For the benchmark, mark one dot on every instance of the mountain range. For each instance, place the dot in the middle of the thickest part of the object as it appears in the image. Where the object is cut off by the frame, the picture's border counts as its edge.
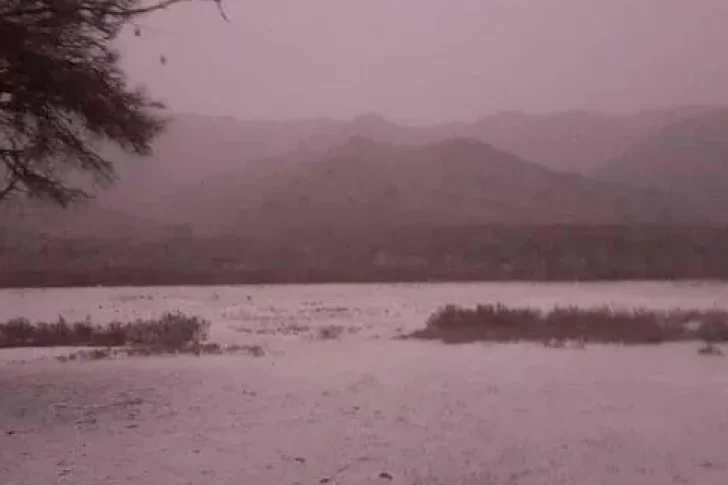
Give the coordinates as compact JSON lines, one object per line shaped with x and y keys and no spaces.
{"x":215,"y":175}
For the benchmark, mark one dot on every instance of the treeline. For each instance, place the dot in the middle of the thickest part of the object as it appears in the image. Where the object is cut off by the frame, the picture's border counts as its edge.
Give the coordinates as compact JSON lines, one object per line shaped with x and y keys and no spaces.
{"x":316,"y":255}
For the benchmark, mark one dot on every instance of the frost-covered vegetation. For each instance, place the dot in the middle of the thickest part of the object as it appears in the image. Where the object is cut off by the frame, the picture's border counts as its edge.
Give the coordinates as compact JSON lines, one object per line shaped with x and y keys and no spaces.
{"x":172,"y":331}
{"x":498,"y":322}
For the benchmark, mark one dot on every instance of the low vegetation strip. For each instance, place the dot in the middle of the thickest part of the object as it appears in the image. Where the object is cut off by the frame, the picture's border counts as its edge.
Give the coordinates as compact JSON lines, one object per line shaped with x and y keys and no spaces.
{"x":371,"y":255}
{"x":501,"y":323}
{"x":173,"y":331}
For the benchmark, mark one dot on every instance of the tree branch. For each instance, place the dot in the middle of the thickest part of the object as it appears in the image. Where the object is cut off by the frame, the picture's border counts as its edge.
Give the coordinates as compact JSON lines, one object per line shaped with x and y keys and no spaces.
{"x":98,"y":7}
{"x":62,"y":90}
{"x":10,"y":187}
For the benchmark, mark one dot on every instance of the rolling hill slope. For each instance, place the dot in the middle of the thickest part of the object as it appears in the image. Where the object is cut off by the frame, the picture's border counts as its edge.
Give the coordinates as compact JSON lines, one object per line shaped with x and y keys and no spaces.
{"x":688,"y":159}
{"x":366,"y":185}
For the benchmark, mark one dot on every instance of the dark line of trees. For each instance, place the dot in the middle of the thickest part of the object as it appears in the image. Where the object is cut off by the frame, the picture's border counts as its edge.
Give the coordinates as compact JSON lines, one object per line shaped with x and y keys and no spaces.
{"x":500,"y":253}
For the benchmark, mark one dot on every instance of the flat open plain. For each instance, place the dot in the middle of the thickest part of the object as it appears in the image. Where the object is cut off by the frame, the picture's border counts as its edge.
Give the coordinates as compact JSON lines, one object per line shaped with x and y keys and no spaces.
{"x":363,"y":407}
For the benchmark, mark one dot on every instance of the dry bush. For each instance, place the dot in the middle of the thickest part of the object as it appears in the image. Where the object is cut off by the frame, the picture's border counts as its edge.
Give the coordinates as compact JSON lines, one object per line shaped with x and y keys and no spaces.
{"x":173,"y":331}
{"x":120,"y":352}
{"x":710,"y":349}
{"x":498,"y":322}
{"x":254,"y":350}
{"x":330,"y":332}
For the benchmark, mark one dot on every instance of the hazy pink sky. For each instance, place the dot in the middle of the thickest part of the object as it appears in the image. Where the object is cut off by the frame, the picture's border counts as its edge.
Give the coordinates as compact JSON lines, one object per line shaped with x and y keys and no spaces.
{"x":432,"y":60}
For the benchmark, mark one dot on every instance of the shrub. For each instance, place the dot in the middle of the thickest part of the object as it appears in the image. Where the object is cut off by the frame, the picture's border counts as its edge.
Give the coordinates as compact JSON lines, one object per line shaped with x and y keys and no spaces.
{"x":330,"y":332}
{"x":17,"y":332}
{"x":638,"y":326}
{"x":713,"y":328}
{"x":710,"y":349}
{"x":254,"y":350}
{"x":115,"y":334}
{"x":95,"y":354}
{"x":173,"y":331}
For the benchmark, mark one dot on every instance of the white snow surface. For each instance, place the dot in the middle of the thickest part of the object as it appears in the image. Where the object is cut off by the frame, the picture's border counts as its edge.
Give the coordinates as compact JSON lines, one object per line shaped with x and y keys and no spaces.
{"x":365,"y":407}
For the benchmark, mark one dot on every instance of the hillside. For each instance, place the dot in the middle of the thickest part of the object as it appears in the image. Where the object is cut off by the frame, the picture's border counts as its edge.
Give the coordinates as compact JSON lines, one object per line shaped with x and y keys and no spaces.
{"x":575,"y":141}
{"x":362,"y":210}
{"x":222,"y":174}
{"x":83,"y":220}
{"x":363,"y":184}
{"x":688,"y":158}
{"x":196,"y":149}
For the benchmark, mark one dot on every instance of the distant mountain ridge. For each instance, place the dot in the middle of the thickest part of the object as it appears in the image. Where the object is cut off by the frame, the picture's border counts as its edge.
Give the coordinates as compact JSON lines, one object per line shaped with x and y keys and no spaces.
{"x":687,"y":158}
{"x":575,"y":141}
{"x":212,"y":174}
{"x":366,"y":184}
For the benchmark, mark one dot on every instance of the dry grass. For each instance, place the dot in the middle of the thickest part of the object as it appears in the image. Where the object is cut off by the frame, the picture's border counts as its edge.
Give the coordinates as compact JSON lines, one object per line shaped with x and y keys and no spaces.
{"x":136,"y":351}
{"x":498,"y":322}
{"x":173,"y":331}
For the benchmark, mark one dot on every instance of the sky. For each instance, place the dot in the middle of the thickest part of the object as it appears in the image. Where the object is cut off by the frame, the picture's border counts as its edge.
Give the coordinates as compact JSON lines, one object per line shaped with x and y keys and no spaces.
{"x":431,"y":61}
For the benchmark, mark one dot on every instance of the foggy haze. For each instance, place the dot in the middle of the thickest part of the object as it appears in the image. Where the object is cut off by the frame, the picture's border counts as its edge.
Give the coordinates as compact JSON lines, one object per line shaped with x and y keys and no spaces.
{"x":427,"y":61}
{"x":390,"y":242}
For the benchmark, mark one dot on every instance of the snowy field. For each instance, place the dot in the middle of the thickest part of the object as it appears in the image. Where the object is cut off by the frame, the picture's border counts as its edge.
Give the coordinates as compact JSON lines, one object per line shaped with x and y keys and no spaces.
{"x":364,"y":407}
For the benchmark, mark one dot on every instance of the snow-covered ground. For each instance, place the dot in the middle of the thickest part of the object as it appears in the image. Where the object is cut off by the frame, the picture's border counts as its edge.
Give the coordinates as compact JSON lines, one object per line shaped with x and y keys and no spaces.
{"x":363,"y":408}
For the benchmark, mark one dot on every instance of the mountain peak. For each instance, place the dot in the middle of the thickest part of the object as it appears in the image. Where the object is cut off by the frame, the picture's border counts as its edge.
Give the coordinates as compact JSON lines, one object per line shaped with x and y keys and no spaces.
{"x":369,"y":119}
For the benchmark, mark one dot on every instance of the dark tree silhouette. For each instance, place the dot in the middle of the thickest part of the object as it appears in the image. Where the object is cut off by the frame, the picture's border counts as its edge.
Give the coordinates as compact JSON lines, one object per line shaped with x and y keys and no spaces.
{"x":63,"y":94}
